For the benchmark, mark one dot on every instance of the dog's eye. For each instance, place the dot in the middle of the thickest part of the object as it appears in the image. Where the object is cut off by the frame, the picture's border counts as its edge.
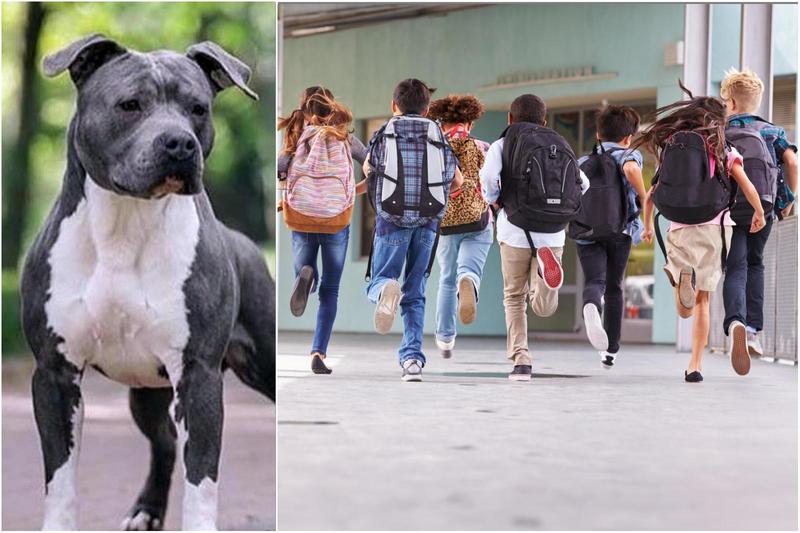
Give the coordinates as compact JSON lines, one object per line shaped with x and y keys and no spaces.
{"x":130,"y":105}
{"x":199,"y":110}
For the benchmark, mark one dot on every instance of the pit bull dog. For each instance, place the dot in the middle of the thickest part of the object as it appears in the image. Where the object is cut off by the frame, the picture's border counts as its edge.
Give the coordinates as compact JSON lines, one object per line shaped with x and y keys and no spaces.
{"x":133,"y":275}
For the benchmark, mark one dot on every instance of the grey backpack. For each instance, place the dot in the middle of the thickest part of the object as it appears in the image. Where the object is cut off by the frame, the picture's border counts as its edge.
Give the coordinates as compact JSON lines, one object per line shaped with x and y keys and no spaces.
{"x":759,"y":167}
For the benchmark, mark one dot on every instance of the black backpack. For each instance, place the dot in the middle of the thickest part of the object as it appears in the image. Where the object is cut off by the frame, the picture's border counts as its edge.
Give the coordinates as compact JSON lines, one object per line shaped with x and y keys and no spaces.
{"x":684,"y":190}
{"x":540,"y":181}
{"x":604,"y":208}
{"x":759,"y":167}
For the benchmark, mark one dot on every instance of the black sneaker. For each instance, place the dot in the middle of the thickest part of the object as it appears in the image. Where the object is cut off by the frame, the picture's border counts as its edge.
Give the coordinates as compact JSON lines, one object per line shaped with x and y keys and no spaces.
{"x":302,"y":288}
{"x":607,"y":359}
{"x":318,"y":365}
{"x":520,"y":373}
{"x":692,"y":377}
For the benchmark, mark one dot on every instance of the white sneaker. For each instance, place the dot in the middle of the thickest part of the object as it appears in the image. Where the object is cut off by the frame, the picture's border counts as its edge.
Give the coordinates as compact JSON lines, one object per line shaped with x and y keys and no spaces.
{"x":754,"y":345}
{"x":386,"y":309}
{"x":740,"y":356}
{"x":446,"y":348}
{"x":412,"y":370}
{"x":594,"y":328}
{"x":607,"y":359}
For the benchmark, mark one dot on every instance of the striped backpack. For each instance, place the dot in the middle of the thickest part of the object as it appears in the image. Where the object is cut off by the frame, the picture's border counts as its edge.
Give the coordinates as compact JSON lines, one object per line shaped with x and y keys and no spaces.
{"x":320,"y":185}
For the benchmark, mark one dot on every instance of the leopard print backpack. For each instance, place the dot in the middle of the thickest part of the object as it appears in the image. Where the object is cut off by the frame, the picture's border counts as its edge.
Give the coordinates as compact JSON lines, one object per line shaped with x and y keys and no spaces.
{"x":466,"y":211}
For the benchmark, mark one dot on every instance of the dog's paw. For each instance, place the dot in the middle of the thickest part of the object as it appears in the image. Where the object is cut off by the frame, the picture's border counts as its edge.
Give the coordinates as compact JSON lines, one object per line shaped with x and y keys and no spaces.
{"x":142,"y":520}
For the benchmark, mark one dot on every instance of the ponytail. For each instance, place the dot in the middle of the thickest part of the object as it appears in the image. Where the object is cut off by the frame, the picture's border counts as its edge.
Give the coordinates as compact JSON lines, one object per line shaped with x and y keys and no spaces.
{"x":317,"y":108}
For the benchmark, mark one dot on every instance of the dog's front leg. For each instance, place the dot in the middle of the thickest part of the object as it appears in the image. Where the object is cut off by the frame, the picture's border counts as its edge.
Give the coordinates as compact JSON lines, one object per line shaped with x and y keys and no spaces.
{"x":58,"y":408}
{"x":197,"y":414}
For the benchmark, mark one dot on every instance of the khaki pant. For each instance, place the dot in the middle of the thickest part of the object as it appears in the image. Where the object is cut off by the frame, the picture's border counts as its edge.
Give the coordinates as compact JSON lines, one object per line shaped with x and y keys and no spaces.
{"x":521,"y":280}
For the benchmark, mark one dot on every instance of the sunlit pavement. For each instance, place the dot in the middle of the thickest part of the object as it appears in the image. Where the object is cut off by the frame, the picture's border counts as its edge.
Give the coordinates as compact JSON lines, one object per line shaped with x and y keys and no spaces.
{"x":579,"y":447}
{"x":115,"y":456}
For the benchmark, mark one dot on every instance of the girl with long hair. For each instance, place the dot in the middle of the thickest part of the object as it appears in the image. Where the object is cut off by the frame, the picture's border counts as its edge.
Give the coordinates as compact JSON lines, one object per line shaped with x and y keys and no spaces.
{"x":693,"y":251}
{"x":315,"y":170}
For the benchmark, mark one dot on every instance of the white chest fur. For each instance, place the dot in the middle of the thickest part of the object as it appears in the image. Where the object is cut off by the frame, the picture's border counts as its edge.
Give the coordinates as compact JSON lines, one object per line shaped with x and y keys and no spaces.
{"x":116,"y":285}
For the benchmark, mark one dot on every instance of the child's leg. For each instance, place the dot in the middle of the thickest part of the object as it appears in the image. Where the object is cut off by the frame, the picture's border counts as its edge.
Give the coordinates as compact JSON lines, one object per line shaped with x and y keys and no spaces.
{"x":734,"y":286}
{"x":755,"y":276}
{"x":388,"y":257}
{"x":700,"y":328}
{"x":516,"y":264}
{"x":304,"y":253}
{"x":413,"y":303}
{"x":334,"y":253}
{"x":544,"y":300}
{"x":594,"y":262}
{"x":618,"y":253}
{"x":446,"y":299}
{"x":471,"y":259}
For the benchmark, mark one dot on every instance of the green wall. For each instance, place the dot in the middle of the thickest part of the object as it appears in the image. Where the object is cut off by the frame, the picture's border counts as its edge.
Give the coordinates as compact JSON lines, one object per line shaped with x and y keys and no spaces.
{"x":463,"y":52}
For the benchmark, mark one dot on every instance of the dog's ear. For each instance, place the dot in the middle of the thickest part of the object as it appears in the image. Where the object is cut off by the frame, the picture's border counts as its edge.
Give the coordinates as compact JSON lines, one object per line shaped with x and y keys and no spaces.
{"x":82,"y":57}
{"x":222,"y":69}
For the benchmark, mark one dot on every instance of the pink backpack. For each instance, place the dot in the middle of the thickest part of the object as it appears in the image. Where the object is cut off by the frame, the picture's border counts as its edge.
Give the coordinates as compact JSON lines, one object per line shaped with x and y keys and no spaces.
{"x":320,"y":185}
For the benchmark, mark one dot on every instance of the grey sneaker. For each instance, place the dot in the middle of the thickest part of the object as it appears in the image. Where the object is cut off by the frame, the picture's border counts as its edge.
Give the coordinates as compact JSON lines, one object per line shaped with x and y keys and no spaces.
{"x":412,"y":370}
{"x":386,"y":309}
{"x":446,"y":348}
{"x":754,"y":345}
{"x":520,"y":373}
{"x":594,"y":328}
{"x":740,"y":357}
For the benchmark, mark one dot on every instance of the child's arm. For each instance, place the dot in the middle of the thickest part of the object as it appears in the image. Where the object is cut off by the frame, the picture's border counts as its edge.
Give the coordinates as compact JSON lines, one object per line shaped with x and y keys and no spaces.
{"x":361,"y":187}
{"x":633,"y":173}
{"x":458,"y":180}
{"x":490,"y":173}
{"x":790,"y":173}
{"x":647,"y":235}
{"x":750,"y":192}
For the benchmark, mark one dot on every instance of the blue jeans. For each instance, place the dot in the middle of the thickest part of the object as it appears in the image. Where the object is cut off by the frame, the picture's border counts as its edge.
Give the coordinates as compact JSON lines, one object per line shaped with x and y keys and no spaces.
{"x":305,"y":247}
{"x":461,"y":255}
{"x":409,"y":247}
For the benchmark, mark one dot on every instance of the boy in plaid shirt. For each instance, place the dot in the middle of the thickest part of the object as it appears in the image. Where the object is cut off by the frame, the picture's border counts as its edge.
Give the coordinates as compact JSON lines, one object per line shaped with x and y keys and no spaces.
{"x":406,"y":249}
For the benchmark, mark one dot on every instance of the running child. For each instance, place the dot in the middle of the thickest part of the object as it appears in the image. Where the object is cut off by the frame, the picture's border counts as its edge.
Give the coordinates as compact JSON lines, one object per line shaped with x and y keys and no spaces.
{"x":608,"y":225}
{"x":771,"y":163}
{"x":533,"y":178}
{"x":410,"y":169}
{"x":466,"y":229}
{"x":315,"y":170}
{"x":694,"y":187}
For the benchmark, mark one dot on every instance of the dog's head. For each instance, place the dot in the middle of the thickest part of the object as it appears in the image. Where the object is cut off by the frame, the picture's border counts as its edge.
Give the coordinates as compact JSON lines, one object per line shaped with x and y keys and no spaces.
{"x":143,"y":124}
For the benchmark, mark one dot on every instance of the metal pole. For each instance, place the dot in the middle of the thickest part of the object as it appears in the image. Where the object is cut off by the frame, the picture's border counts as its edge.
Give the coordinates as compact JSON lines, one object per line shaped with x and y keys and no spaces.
{"x":697,"y":48}
{"x":756,"y":49}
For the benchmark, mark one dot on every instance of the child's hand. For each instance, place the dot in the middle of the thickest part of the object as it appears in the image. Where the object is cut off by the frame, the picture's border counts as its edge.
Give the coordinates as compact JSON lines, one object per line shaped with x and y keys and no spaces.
{"x":647,"y":235}
{"x":787,"y":210}
{"x":758,"y":222}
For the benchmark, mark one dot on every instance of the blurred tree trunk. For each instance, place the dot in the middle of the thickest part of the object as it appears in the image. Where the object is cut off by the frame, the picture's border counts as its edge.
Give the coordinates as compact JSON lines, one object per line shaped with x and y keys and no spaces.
{"x":17,"y":176}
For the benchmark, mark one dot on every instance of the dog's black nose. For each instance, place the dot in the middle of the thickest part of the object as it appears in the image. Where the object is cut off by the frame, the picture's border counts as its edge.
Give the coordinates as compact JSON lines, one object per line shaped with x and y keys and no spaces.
{"x":177,"y":146}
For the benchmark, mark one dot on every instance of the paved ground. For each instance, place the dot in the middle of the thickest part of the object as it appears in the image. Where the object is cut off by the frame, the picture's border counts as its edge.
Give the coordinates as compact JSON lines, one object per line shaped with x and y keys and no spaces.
{"x":114,"y":457}
{"x":579,"y":447}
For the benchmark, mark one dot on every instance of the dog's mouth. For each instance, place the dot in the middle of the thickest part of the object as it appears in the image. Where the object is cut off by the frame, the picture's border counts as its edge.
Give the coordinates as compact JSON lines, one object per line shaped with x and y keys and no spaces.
{"x":172,"y":184}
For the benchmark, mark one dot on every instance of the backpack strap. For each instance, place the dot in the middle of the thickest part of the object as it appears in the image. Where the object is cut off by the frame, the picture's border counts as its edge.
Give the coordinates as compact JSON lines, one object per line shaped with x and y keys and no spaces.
{"x":433,"y":254}
{"x":530,"y":239}
{"x":659,"y":237}
{"x":435,"y":161}
{"x":368,"y":274}
{"x":724,"y":241}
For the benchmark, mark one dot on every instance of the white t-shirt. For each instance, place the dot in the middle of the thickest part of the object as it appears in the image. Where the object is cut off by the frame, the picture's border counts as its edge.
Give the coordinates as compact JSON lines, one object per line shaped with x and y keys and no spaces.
{"x":508,"y":233}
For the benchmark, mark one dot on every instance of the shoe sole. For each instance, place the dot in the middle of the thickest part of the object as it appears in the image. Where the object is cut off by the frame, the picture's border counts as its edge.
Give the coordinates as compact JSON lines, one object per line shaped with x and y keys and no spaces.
{"x":552,"y":273}
{"x":322,"y":369}
{"x":300,"y":291}
{"x":467,"y":303}
{"x":594,"y":328}
{"x":606,"y":365}
{"x":740,"y":355}
{"x":519,"y":377}
{"x":686,"y":293}
{"x":386,"y":309}
{"x":411,"y":378}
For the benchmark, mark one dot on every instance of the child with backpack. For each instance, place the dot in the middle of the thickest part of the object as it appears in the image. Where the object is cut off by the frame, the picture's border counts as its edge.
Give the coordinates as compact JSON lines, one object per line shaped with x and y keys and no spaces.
{"x":771,"y":164}
{"x":608,"y":225}
{"x":410,"y":169}
{"x":466,"y":228}
{"x":532,"y":176}
{"x":316,"y":175}
{"x":694,"y":187}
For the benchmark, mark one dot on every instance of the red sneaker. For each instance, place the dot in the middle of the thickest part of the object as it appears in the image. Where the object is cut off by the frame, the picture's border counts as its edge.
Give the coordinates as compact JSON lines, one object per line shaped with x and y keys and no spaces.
{"x":550,"y":268}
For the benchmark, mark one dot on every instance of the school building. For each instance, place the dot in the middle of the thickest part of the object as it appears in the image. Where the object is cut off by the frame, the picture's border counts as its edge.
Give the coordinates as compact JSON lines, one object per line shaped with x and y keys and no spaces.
{"x":576,"y":57}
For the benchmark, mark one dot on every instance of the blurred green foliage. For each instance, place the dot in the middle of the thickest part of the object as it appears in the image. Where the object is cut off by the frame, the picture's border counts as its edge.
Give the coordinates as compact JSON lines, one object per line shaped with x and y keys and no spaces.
{"x":240,"y":169}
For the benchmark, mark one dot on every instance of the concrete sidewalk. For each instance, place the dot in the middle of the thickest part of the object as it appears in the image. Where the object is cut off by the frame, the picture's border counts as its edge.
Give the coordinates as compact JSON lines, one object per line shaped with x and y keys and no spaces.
{"x":579,"y":447}
{"x":115,"y":456}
